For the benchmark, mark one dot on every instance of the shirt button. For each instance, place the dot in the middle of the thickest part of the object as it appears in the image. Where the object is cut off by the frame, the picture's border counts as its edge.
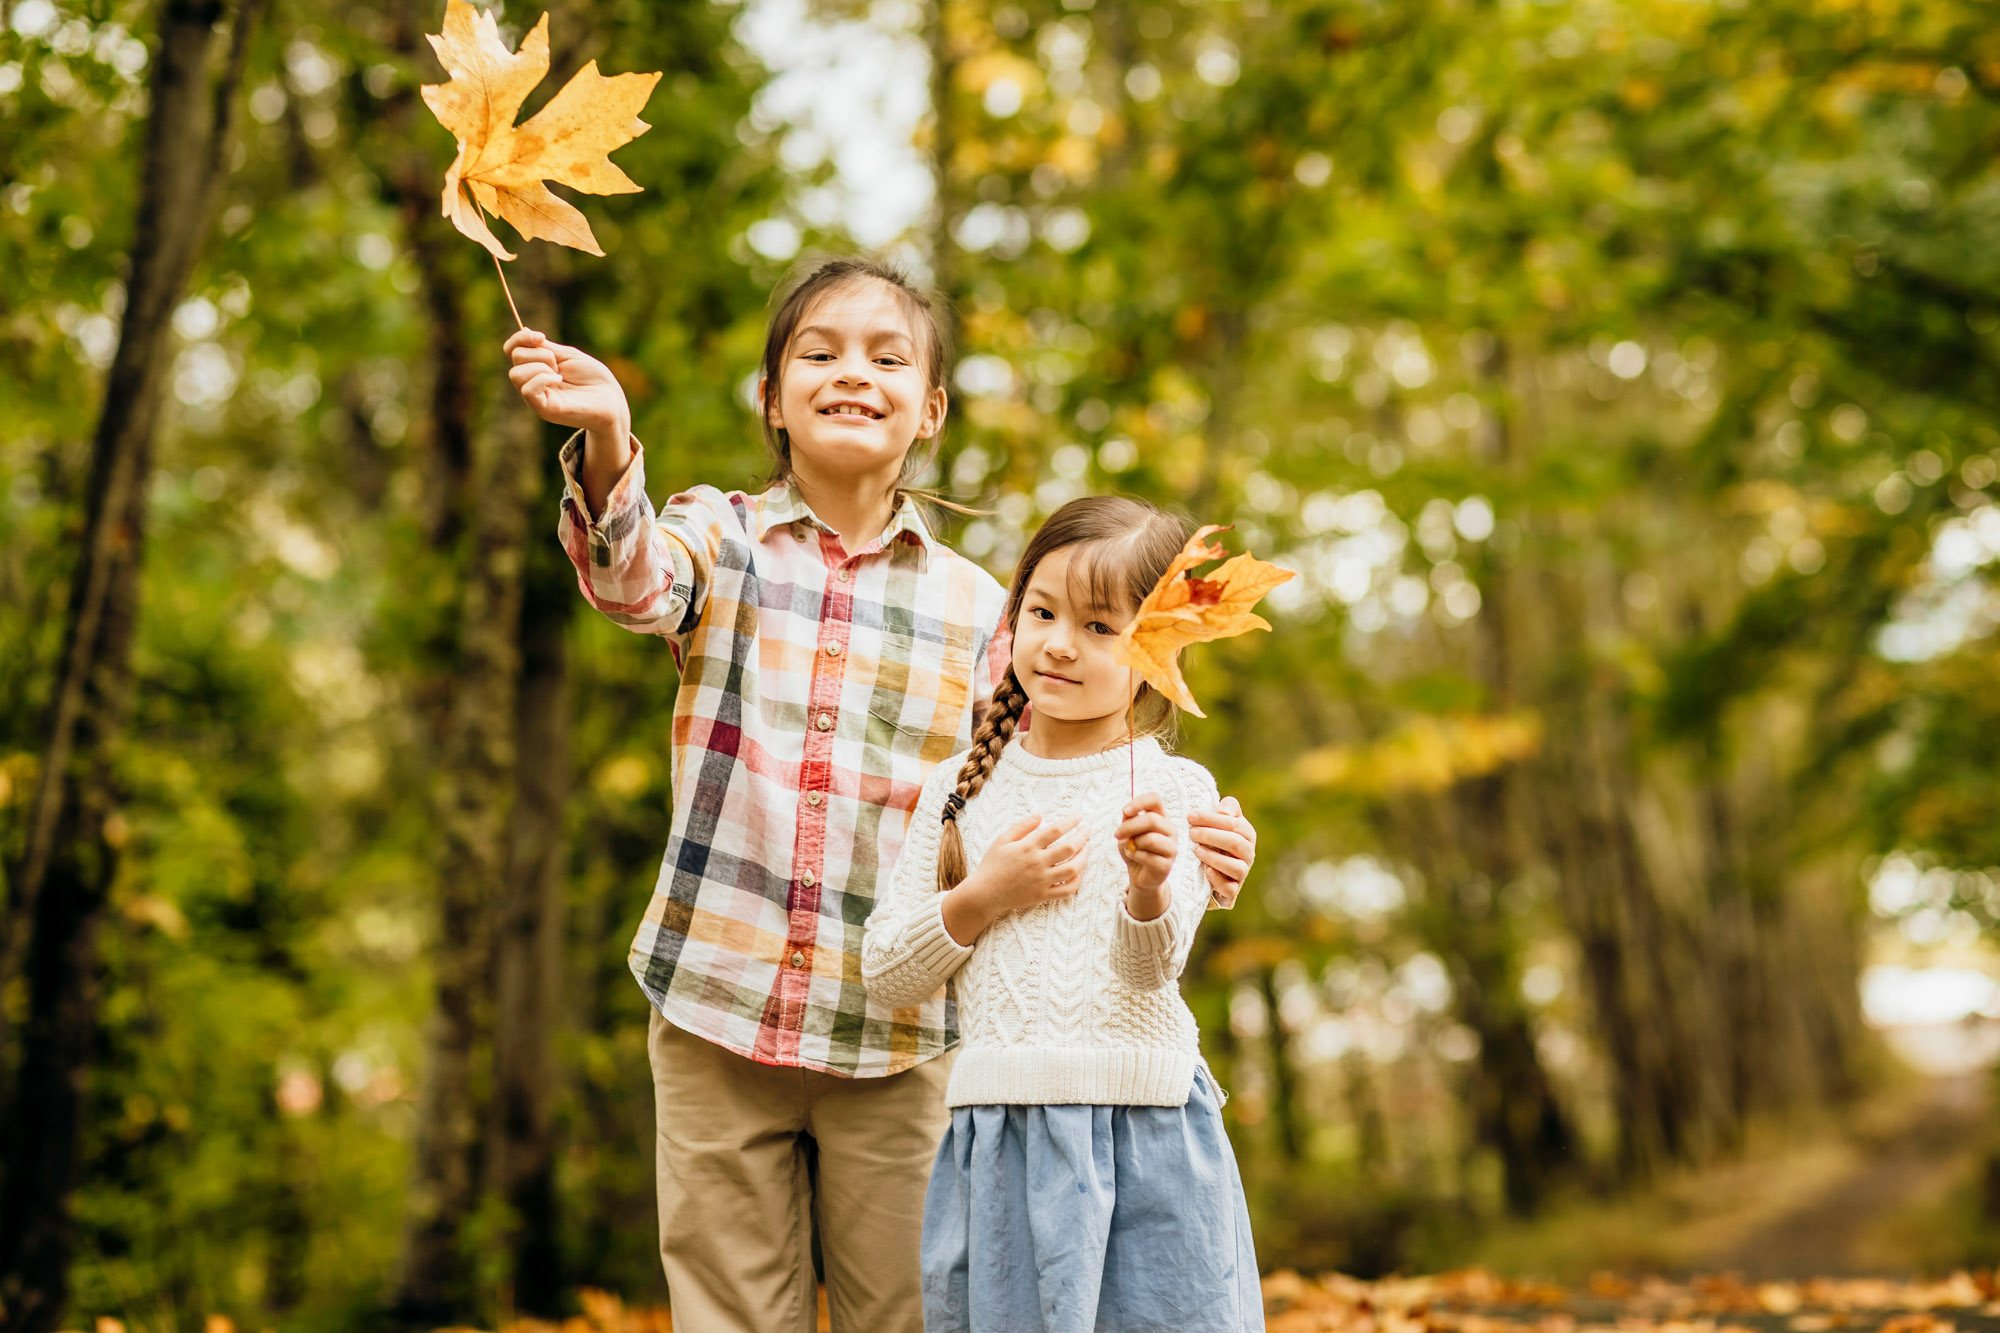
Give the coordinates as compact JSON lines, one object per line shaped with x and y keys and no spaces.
{"x":825,"y":722}
{"x":807,"y":879}
{"x":813,"y":798}
{"x":801,"y":531}
{"x":798,"y":958}
{"x":833,"y":650}
{"x":844,"y":575}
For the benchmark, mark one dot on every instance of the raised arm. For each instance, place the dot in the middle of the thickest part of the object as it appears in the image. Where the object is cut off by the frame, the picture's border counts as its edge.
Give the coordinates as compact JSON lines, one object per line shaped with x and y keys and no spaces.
{"x":646,"y":572}
{"x":649,"y":573}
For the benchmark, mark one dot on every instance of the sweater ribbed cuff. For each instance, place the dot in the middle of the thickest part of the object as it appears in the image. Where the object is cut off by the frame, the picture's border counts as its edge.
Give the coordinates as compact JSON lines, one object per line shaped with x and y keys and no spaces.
{"x":933,"y":948}
{"x":929,"y":956}
{"x":1140,"y":949}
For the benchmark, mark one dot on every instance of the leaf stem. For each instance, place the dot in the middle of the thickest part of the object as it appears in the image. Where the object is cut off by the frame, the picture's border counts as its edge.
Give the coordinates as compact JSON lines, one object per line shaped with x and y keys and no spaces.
{"x":510,"y":292}
{"x":518,"y":322}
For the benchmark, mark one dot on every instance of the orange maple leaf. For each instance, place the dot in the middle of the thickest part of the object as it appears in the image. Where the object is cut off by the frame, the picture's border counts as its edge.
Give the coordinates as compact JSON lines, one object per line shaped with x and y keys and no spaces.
{"x":1182,"y":609}
{"x":501,"y":167}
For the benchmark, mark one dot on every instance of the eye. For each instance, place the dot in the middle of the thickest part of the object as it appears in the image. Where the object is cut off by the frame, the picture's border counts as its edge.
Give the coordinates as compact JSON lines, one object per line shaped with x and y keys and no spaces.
{"x":890,"y":361}
{"x":1041,"y":612}
{"x":1099,"y":627}
{"x":816,"y":356}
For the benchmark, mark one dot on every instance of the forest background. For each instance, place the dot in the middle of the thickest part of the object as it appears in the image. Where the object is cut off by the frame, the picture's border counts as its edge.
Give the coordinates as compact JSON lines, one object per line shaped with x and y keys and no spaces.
{"x":1623,"y":379}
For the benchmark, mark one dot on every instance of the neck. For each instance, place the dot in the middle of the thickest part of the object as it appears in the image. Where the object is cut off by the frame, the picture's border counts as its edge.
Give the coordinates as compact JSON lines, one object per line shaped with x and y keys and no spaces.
{"x":858,"y":506}
{"x":1056,"y":738}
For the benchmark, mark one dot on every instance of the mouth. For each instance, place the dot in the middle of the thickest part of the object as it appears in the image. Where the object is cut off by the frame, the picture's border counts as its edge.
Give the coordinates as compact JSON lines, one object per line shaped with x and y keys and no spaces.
{"x":1053,"y":678}
{"x":851,"y":409}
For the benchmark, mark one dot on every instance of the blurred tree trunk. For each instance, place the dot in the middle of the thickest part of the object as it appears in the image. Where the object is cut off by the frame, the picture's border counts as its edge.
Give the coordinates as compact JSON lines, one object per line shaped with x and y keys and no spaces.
{"x":1514,"y":1105}
{"x":478,"y":525}
{"x":946,"y":277}
{"x":1472,"y":848}
{"x":1285,"y":1107}
{"x":529,"y":937}
{"x":597,"y":984}
{"x":1651,"y":988}
{"x":1754,"y":1073}
{"x":476,"y":778}
{"x":529,"y":940}
{"x":1364,"y":1108}
{"x":1468,"y":860}
{"x":45,"y":1114}
{"x":74,"y":832}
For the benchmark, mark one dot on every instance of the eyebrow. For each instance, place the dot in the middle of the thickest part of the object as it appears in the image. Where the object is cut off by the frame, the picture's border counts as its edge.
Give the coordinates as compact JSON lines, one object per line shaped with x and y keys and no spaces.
{"x":1052,"y":594}
{"x":833,"y":334}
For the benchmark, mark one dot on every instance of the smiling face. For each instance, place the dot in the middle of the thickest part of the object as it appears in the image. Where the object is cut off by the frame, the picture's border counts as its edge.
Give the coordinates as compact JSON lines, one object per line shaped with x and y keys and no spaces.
{"x":853,"y":392}
{"x":1062,"y":654}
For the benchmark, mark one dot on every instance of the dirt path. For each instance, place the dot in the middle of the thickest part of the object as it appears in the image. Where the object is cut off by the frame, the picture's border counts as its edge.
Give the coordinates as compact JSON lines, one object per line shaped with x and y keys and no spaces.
{"x":1928,"y":1143}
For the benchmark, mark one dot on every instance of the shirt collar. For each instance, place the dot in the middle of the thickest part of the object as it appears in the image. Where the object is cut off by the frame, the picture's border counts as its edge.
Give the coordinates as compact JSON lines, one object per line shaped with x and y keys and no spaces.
{"x":783,"y":504}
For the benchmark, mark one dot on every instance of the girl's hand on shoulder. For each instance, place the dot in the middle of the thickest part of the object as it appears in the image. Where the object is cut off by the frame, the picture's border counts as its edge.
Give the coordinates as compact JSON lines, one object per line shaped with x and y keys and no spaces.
{"x":1149,"y":846}
{"x":566,"y":386}
{"x":1038,"y":860}
{"x":1226,"y":845}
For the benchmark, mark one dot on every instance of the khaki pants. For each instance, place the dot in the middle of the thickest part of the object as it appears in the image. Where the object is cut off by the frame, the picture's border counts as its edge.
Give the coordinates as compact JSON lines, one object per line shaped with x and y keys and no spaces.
{"x":735,"y":1230}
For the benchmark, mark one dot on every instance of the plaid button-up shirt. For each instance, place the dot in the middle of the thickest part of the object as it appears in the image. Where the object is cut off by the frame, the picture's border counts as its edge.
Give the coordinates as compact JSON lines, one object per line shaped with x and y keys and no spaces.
{"x":819,"y":688}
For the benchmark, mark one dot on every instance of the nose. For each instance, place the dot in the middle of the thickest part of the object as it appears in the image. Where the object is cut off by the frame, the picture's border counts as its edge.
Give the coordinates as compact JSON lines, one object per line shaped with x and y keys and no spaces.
{"x":854,"y":372}
{"x":1058,"y":643}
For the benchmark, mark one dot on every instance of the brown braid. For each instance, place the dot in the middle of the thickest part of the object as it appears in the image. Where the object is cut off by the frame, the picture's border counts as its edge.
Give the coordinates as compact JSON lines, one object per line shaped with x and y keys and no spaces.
{"x":995,"y":730}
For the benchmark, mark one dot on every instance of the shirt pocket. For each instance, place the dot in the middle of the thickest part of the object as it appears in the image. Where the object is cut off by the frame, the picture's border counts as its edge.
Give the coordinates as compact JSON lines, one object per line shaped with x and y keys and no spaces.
{"x":899,"y":732}
{"x":930,"y":718}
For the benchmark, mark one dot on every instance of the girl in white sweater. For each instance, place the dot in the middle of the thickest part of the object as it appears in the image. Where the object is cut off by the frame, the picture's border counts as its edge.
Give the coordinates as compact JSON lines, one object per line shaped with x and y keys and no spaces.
{"x":1085,"y":1182}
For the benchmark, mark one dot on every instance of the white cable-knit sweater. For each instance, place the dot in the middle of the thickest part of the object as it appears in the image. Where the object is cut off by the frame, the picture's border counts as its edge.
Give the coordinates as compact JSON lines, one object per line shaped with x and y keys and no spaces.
{"x":1071,"y":1001}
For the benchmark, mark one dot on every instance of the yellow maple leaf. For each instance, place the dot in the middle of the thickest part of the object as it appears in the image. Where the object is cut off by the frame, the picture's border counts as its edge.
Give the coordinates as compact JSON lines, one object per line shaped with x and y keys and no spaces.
{"x":501,"y":167}
{"x":1182,"y":609}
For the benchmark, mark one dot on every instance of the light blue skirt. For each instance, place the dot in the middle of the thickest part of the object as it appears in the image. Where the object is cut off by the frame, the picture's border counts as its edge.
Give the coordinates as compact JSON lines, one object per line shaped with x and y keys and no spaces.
{"x":1089,"y":1219}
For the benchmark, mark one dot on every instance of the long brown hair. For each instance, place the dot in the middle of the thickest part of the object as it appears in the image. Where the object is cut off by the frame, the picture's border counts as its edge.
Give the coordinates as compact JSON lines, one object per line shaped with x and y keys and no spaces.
{"x":923,"y":309}
{"x":1130,"y":545}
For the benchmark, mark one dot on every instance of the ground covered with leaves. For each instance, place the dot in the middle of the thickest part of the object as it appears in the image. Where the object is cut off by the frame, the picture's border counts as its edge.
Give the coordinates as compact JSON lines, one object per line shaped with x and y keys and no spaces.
{"x":1476,"y":1301}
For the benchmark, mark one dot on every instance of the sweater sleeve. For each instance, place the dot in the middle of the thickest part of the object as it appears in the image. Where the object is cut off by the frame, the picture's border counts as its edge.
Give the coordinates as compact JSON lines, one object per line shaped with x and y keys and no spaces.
{"x":906,"y":953}
{"x":1146,"y":955}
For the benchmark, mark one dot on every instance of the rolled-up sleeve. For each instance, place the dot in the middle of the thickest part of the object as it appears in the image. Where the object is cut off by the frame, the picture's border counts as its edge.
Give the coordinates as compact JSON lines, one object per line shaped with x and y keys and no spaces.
{"x":645,"y":571}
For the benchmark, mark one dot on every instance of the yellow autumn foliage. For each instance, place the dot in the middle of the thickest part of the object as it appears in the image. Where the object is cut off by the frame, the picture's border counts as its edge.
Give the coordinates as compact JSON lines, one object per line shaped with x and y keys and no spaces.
{"x":1425,"y":754}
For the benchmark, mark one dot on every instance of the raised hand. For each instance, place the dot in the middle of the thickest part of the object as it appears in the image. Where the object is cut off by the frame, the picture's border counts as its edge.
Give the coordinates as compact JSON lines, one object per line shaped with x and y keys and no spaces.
{"x":571,"y":388}
{"x":566,"y":386}
{"x":1148,"y":843}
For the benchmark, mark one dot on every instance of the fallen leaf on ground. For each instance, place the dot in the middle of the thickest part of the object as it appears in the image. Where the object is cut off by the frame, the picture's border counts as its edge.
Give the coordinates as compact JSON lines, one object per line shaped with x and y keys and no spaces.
{"x":1474,"y":1300}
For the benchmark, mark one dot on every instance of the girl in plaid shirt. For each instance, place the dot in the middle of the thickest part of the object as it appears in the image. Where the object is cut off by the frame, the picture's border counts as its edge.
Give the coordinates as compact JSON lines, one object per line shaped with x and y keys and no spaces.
{"x":832,"y":653}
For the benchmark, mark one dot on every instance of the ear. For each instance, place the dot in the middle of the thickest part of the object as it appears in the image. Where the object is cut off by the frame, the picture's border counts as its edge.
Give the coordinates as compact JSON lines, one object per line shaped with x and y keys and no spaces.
{"x":767,"y":402}
{"x":934,"y":414}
